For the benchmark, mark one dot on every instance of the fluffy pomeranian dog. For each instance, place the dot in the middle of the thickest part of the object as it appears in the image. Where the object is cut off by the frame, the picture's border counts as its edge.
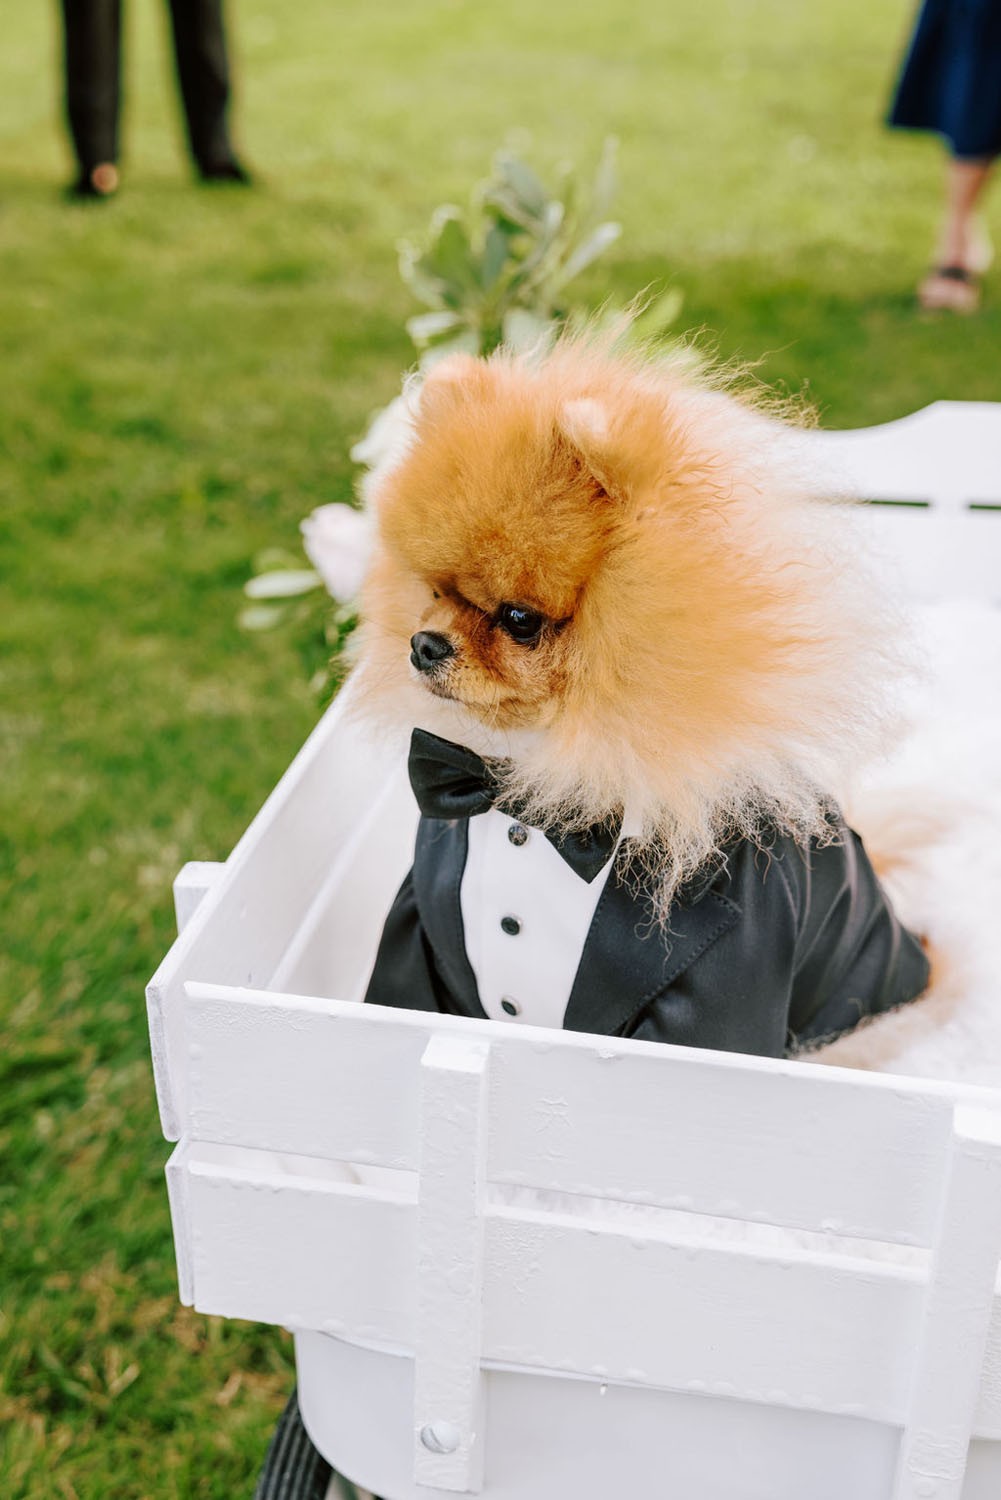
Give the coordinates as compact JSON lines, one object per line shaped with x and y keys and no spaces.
{"x":604,"y":576}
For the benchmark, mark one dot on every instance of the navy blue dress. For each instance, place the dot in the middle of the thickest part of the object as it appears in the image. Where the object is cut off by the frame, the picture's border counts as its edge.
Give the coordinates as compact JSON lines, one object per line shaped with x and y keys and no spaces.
{"x":951,"y":79}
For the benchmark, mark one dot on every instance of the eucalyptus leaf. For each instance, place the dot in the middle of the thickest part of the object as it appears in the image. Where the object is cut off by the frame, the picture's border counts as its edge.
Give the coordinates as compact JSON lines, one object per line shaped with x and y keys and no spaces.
{"x":596,"y":244}
{"x":417,"y":275}
{"x":606,"y":178}
{"x":450,"y":254}
{"x":522,"y":181}
{"x":464,"y":343}
{"x":509,"y":206}
{"x":524,"y":330}
{"x":553,"y":217}
{"x":431,"y":325}
{"x":270,"y":559}
{"x":496,"y":249}
{"x":568,"y":188}
{"x":282,"y":585}
{"x":262,"y":616}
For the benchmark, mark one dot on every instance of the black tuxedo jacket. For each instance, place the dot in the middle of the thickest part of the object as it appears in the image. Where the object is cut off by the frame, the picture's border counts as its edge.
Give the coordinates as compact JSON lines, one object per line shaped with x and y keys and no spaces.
{"x":783,"y":949}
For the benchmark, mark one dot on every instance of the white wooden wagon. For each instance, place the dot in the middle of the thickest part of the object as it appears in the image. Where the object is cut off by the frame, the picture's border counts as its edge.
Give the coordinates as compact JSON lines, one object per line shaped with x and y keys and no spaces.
{"x":568,"y":1266}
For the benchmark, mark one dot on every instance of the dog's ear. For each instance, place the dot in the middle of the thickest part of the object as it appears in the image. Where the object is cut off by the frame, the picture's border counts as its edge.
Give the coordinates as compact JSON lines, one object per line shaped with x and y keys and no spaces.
{"x":450,"y":382}
{"x":585,"y":424}
{"x":622,"y":450}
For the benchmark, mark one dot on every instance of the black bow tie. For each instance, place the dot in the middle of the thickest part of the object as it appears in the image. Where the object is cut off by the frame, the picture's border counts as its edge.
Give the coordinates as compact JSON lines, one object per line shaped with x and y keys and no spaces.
{"x":450,"y":781}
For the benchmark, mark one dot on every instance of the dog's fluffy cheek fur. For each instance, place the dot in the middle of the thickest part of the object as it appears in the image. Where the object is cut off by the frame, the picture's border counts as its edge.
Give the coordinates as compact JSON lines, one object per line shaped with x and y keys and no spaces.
{"x":502,"y":685}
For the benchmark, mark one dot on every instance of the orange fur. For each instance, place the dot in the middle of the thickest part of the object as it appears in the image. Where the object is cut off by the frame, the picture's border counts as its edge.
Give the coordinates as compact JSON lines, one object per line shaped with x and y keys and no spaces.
{"x":712,"y":653}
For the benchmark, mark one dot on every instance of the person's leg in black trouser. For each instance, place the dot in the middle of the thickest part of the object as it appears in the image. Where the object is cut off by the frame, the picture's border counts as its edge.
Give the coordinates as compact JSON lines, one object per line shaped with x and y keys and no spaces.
{"x":93,"y":32}
{"x":203,"y":75}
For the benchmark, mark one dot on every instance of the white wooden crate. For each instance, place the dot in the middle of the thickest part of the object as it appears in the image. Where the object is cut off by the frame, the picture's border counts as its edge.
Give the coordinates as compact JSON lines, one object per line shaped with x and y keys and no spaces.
{"x":579,"y":1265}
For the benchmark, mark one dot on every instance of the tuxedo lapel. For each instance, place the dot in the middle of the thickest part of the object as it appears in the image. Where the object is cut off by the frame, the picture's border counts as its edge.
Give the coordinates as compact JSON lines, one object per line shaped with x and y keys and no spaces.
{"x":629,"y":959}
{"x":439,"y":863}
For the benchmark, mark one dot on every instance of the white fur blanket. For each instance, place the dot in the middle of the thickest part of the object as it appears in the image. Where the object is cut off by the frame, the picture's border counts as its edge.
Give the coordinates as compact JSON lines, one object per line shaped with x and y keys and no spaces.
{"x":933,"y":810}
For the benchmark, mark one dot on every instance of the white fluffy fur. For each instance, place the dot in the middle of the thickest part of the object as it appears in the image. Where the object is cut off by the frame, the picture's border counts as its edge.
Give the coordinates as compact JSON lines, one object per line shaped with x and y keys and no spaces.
{"x":933,"y":811}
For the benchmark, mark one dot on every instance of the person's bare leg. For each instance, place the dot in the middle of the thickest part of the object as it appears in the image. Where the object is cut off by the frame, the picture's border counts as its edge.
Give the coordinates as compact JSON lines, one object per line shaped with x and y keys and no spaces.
{"x":964,"y":250}
{"x":960,"y":244}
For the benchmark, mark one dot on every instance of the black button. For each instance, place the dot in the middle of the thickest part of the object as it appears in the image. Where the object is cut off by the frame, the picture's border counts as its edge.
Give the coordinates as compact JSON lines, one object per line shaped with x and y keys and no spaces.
{"x":511,"y":925}
{"x":511,"y":1006}
{"x":517,"y":835}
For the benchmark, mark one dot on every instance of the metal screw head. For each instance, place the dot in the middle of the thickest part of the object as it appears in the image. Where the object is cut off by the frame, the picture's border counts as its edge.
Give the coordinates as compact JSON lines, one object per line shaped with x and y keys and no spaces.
{"x":441,"y":1437}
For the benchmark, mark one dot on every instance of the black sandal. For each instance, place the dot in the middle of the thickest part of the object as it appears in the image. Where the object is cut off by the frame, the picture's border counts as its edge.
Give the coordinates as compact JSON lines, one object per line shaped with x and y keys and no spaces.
{"x":952,"y":288}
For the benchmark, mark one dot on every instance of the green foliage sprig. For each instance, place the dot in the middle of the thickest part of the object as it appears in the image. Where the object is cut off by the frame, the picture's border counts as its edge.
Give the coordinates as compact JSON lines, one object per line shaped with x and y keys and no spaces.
{"x":494,"y":273}
{"x":497,"y":272}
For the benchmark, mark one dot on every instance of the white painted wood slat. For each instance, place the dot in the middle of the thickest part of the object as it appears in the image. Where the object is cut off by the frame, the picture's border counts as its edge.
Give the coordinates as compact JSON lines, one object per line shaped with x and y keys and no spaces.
{"x":193,"y":881}
{"x":947,"y":455}
{"x":946,"y":458}
{"x":448,"y":1383}
{"x":177,"y":1192}
{"x":957,"y":1314}
{"x":300,"y":1252}
{"x":626,"y":1304}
{"x":716,"y":1133}
{"x":307,"y":833}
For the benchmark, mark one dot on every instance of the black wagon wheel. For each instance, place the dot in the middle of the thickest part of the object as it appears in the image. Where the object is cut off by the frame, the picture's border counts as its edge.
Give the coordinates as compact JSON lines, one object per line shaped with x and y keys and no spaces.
{"x":293,"y":1468}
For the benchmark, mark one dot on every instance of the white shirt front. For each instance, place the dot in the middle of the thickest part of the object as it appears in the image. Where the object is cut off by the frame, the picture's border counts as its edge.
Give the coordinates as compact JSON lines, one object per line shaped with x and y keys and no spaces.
{"x":525,"y":915}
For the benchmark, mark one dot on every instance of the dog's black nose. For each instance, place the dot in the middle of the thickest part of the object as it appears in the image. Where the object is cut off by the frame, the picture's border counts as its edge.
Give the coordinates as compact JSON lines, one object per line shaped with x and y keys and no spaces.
{"x":428,"y":648}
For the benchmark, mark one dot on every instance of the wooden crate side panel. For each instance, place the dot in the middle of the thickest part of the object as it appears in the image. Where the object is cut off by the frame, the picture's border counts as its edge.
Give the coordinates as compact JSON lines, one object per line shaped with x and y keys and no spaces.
{"x":948,"y":1366}
{"x":333,"y":950}
{"x":192,"y":884}
{"x":773,"y":1142}
{"x":946,"y":458}
{"x":750,"y":1138}
{"x":337,"y":1258}
{"x":448,"y":1416}
{"x":306,"y":1078}
{"x":800,"y":1331}
{"x":177,"y":1175}
{"x":550,"y":1439}
{"x":563,"y":1296}
{"x":948,"y":454}
{"x":239,"y":933}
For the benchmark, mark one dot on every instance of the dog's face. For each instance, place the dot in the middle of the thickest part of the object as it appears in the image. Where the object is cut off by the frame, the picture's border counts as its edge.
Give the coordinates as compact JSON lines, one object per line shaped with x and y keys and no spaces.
{"x":603,"y":553}
{"x":492,"y":531}
{"x":580,"y":550}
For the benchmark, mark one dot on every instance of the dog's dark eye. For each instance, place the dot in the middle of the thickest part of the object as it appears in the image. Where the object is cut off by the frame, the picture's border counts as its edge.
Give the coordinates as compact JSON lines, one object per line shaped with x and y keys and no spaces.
{"x":522,"y":625}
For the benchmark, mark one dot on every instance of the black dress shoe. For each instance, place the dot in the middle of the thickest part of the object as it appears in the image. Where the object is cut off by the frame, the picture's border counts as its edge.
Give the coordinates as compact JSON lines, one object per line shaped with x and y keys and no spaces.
{"x":229,"y":170}
{"x":95,"y":182}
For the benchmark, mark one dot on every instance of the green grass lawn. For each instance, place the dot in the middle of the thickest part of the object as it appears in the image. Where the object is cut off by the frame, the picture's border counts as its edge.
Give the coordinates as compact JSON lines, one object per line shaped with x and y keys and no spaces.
{"x":183,"y":371}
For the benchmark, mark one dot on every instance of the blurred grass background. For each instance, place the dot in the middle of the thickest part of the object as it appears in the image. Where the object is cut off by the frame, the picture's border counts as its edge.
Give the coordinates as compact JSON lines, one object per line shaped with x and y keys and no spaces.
{"x":182,"y":373}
